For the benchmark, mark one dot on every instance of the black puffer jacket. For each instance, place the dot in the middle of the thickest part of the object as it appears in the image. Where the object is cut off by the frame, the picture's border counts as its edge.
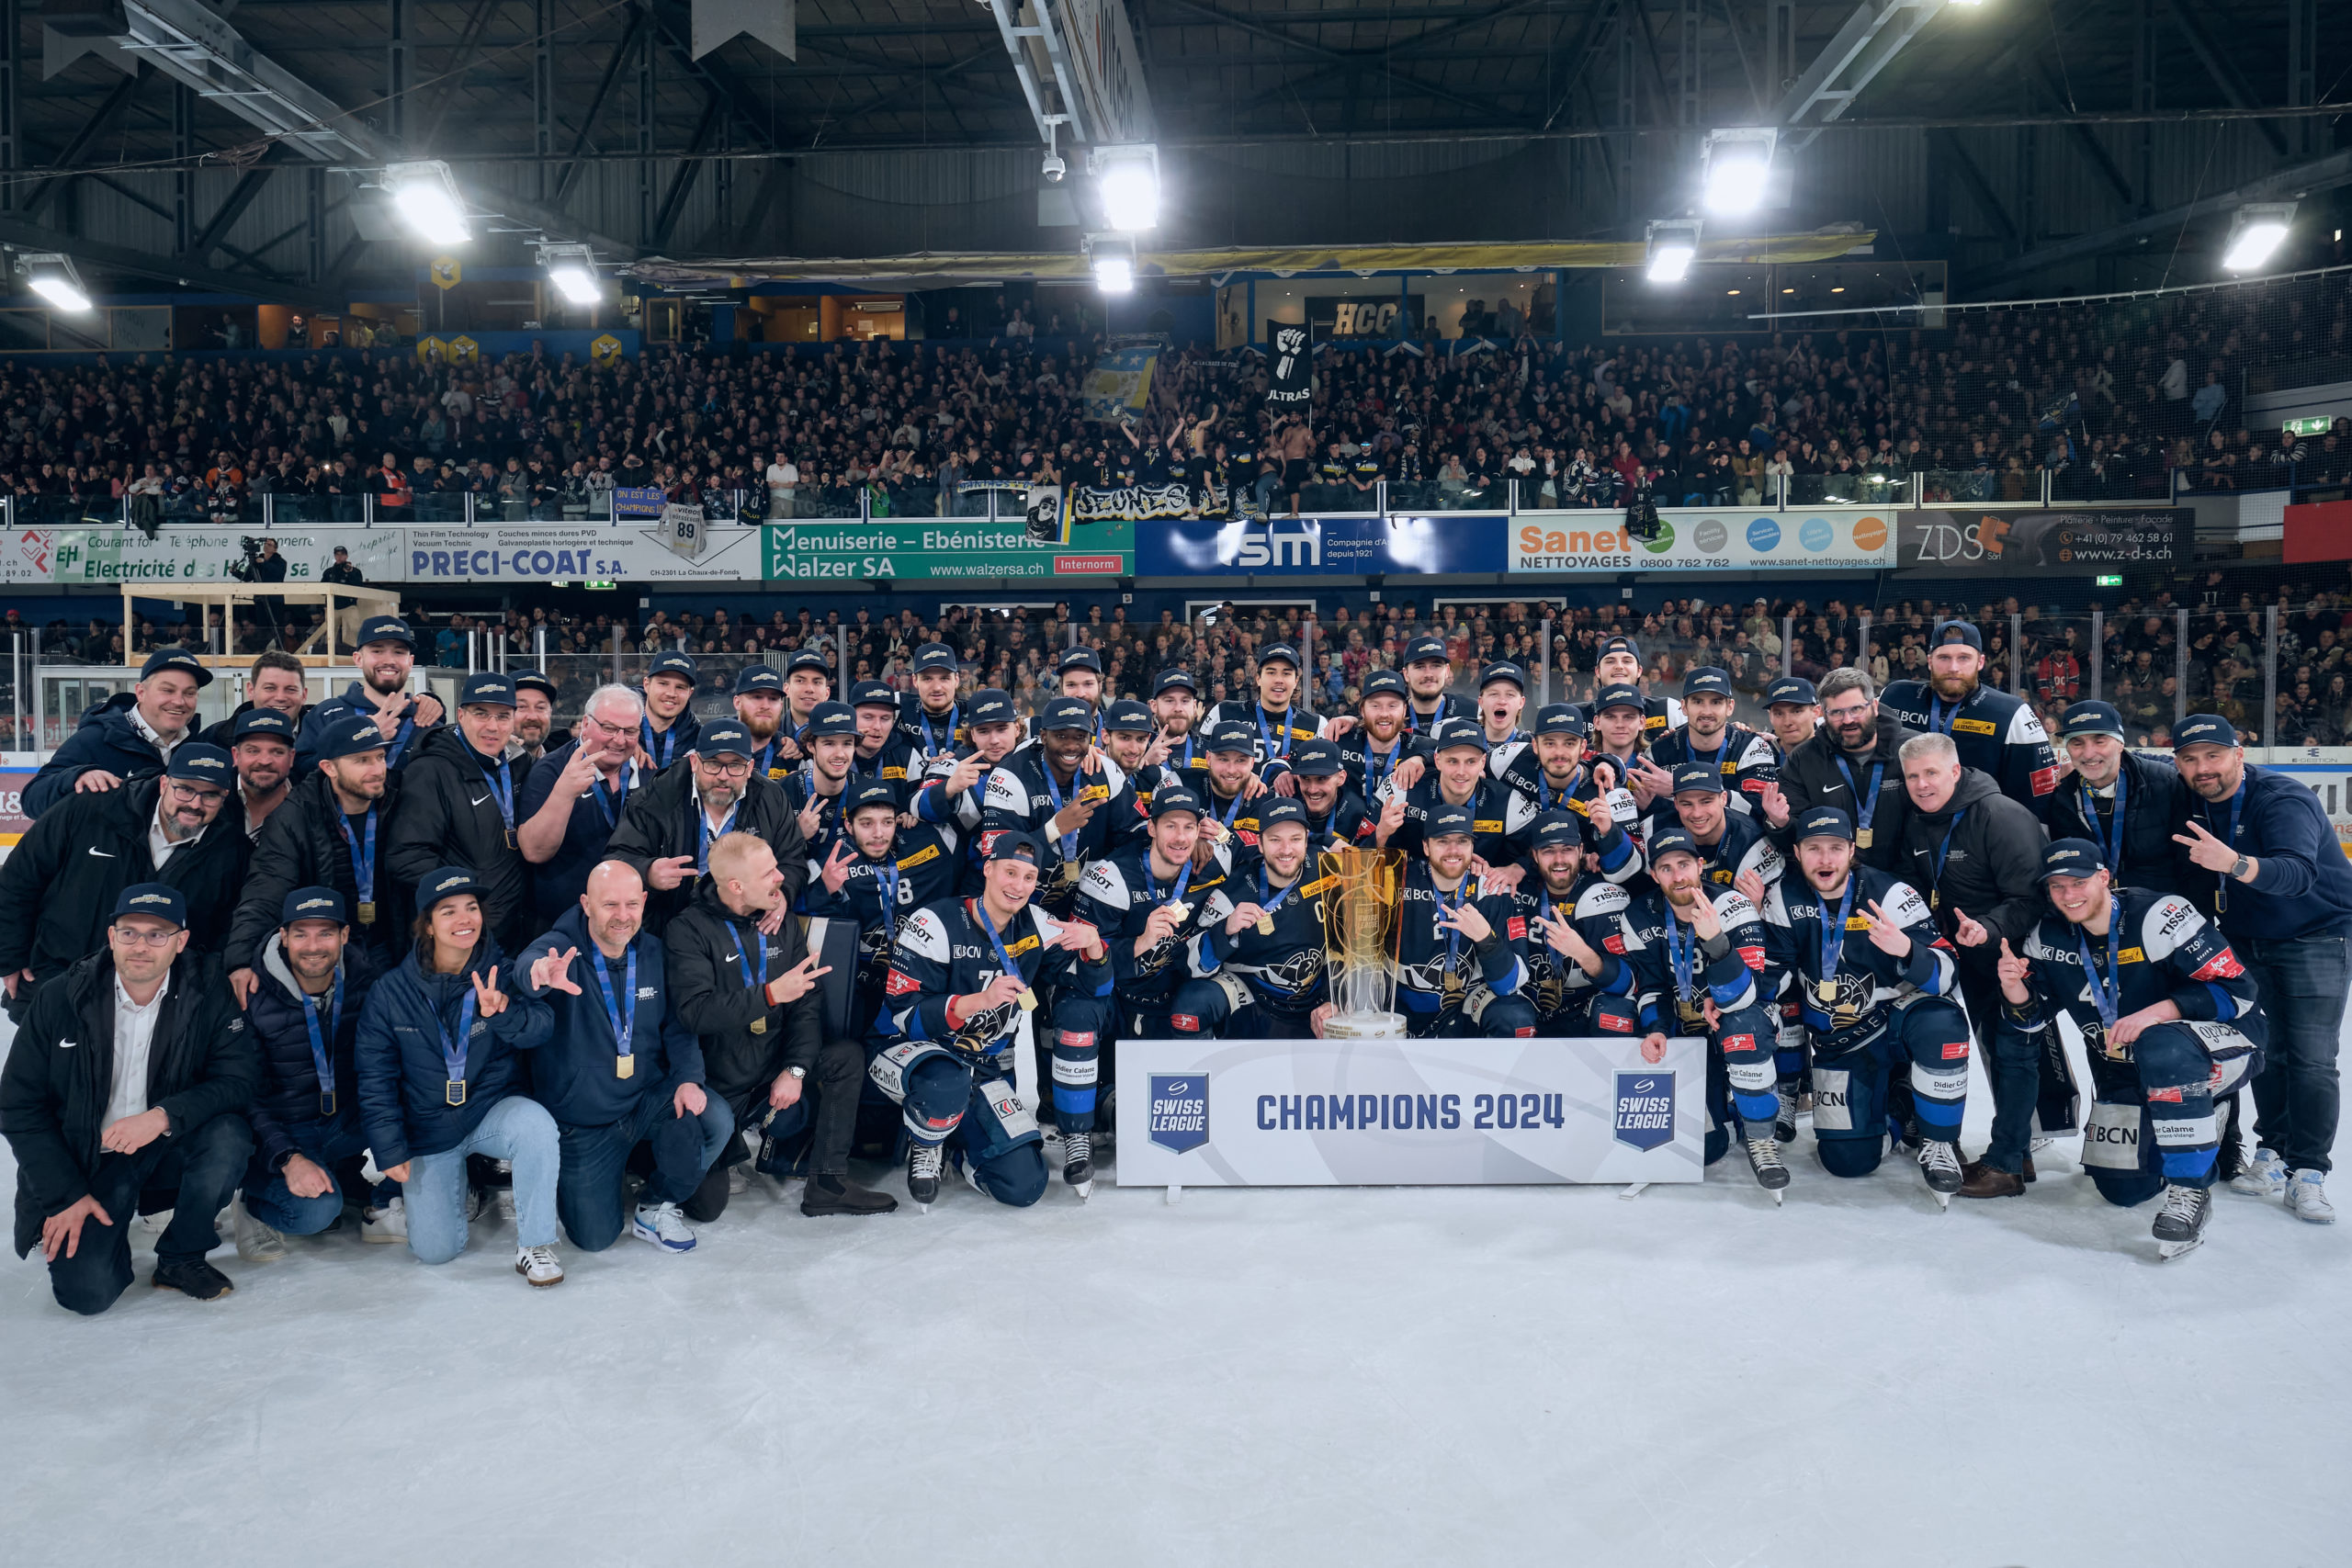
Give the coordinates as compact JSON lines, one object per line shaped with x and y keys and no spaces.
{"x":1992,"y":867}
{"x":301,"y":847}
{"x":448,"y":816}
{"x":659,"y":823}
{"x":288,"y":1092}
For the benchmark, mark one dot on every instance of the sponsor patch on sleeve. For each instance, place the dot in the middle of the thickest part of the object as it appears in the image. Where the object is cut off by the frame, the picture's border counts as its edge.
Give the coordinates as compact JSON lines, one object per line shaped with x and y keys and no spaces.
{"x":2170,"y":1096}
{"x":2222,"y":965}
{"x":2045,"y":780}
{"x":1515,"y":929}
{"x":900,"y":983}
{"x":1614,"y":942}
{"x":1753,"y":957}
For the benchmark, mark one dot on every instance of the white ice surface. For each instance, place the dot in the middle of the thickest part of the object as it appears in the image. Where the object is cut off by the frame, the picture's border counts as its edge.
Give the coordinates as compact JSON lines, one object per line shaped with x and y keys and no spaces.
{"x":1517,"y":1376}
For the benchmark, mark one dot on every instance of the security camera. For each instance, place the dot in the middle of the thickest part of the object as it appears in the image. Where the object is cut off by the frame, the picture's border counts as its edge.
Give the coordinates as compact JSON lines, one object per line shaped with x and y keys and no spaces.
{"x":1055,"y":168}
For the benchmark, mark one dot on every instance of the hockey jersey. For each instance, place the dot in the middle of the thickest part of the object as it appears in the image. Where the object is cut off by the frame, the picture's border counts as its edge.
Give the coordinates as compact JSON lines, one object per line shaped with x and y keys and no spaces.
{"x":946,"y":951}
{"x":1992,"y":730}
{"x":2158,"y":947}
{"x":1749,"y":761}
{"x":881,"y":895}
{"x":1848,"y":1005}
{"x":1117,"y":895}
{"x":1437,"y":967}
{"x":1022,"y":796}
{"x":1285,"y":970}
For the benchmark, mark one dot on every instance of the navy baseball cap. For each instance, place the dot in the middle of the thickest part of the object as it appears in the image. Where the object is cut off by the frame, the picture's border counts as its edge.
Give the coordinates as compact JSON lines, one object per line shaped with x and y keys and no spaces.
{"x":1128,"y":716}
{"x":1280,"y":653}
{"x":2090,"y":718}
{"x":1080,"y":658}
{"x":873,"y":694}
{"x":807,"y":659}
{"x":1231,"y":738}
{"x":870,"y":792}
{"x":447,"y":882}
{"x":934,"y":655}
{"x":386,"y":628}
{"x":1013,"y":844}
{"x":1621,"y":644}
{"x":2204,"y":730}
{"x":726,"y":738}
{"x":1447,"y":821}
{"x":160,"y":899}
{"x":1174,"y":798}
{"x":1502,"y":670}
{"x":1559,"y":718}
{"x":1704,"y":776}
{"x":1453,"y":732}
{"x":1707,"y":679}
{"x":1674,"y":840}
{"x":828,"y":721}
{"x":312,"y":904}
{"x":1619,"y":695}
{"x":199,"y":761}
{"x":1425,"y":648}
{"x":2072,"y":857}
{"x":1825,"y":822}
{"x":178,"y":659}
{"x":758,"y":678}
{"x":489,"y":687}
{"x":1791,"y":689}
{"x":265,"y":721}
{"x":1174,"y":680}
{"x":1384,"y":682}
{"x":536,"y":680}
{"x":1278,"y":811}
{"x":992,"y":706}
{"x":1958,"y":631}
{"x":1557,"y":827}
{"x":350,"y":737}
{"x":677,"y":664}
{"x":1315,"y":760}
{"x":1066,"y":713}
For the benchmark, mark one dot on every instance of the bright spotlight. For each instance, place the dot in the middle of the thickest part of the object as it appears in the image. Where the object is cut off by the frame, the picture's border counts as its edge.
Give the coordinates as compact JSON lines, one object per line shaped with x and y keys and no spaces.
{"x":1673,"y":242}
{"x":572,"y":268}
{"x":427,"y":199}
{"x":1736,"y":164}
{"x":2256,"y":233}
{"x":51,"y":275}
{"x":1127,"y":181}
{"x":1112,"y":259}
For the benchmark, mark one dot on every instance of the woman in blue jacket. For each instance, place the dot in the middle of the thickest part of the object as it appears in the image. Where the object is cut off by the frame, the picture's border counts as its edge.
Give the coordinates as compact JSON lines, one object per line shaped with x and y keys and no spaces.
{"x":438,"y":1065}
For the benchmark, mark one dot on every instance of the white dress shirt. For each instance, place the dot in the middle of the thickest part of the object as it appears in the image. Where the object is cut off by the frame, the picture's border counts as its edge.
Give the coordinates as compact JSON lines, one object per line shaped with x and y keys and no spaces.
{"x":134,"y":1031}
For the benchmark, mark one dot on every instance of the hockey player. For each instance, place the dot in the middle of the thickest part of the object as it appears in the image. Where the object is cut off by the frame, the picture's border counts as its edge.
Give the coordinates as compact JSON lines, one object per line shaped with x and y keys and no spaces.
{"x":1502,"y":697}
{"x":882,"y":752}
{"x":816,"y":788}
{"x":666,"y":733}
{"x":1794,"y":709}
{"x":2170,"y":1025}
{"x":2129,"y":805}
{"x":1261,"y":967}
{"x":954,"y":792}
{"x":1461,"y":948}
{"x":1277,"y":723}
{"x":759,"y":708}
{"x":965,"y":976}
{"x":1131,"y":739}
{"x":930,"y":717}
{"x":1995,"y":732}
{"x":1428,"y":671}
{"x":1176,"y":705}
{"x":1380,"y":747}
{"x":1549,"y":773}
{"x":1500,"y":818}
{"x":1745,"y":759}
{"x":1559,"y":988}
{"x":1074,"y":800}
{"x":1152,"y":904}
{"x":1078,"y":673}
{"x":1334,"y":815}
{"x":1619,"y":664}
{"x":1869,"y":1004}
{"x":1230,"y":805}
{"x":1734,"y":847}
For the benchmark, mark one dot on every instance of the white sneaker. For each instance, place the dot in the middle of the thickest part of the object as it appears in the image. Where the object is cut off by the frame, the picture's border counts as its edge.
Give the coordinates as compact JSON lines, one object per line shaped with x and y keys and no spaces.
{"x":256,"y":1243}
{"x":739,"y":1181}
{"x":662,"y":1224}
{"x":2266,"y":1177}
{"x":385,"y":1226}
{"x":2307,"y":1197}
{"x":538,"y":1265}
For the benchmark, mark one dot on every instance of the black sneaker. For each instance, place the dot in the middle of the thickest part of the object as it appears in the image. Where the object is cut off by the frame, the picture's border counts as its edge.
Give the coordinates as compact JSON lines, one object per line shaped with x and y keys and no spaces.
{"x":840,"y":1195}
{"x":192,"y":1277}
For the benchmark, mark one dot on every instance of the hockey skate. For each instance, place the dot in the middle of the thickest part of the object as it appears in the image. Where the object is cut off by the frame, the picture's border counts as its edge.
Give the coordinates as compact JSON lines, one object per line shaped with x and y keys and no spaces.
{"x":1764,"y":1158}
{"x":922,"y":1175}
{"x":2181,"y":1226}
{"x":1939,"y":1163}
{"x":1784,"y":1124}
{"x":1077,"y":1163}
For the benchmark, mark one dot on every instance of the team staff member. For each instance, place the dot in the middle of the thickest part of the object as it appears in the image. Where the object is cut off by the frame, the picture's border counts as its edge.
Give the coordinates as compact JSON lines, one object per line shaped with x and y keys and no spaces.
{"x":440,"y":1072}
{"x":2127,"y":804}
{"x":1745,"y":760}
{"x":330,"y":834}
{"x":743,"y":981}
{"x":277,"y":682}
{"x":667,"y":731}
{"x":60,"y":885}
{"x":2268,"y":867}
{"x":129,"y":735}
{"x":669,"y":827}
{"x":457,"y":808}
{"x":1259,"y":971}
{"x":386,"y":656}
{"x":929,"y":717}
{"x":308,"y":1138}
{"x":1977,"y":854}
{"x":619,"y":1069}
{"x":575,"y":797}
{"x":1794,"y":709}
{"x":1996,"y":734}
{"x":535,"y":731}
{"x":1854,"y":763}
{"x":262,"y":752}
{"x":129,"y":1075}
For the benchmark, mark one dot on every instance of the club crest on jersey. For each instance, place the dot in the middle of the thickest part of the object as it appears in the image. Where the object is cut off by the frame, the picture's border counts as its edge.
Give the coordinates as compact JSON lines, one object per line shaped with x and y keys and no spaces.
{"x":1179,"y":1111}
{"x":1645,"y":1110}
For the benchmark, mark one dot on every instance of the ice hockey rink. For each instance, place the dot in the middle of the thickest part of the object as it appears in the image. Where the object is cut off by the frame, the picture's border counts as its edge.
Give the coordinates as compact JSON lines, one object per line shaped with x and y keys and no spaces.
{"x":1355,"y":1376}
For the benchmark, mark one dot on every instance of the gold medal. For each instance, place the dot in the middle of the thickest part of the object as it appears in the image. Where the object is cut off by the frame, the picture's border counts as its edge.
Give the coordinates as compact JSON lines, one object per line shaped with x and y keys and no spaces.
{"x":1182,"y":910}
{"x":759,"y":1026}
{"x":1028,"y":999}
{"x":1828,"y":991}
{"x":368,"y":912}
{"x":1265,"y":925}
{"x":1217,"y":831}
{"x":455,"y":1092}
{"x":1861,"y":838}
{"x":626,"y":1066}
{"x":510,"y":838}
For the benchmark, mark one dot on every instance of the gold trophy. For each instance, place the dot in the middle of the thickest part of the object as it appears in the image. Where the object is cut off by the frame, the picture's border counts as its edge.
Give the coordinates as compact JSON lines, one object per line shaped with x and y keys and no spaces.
{"x":1362,"y":896}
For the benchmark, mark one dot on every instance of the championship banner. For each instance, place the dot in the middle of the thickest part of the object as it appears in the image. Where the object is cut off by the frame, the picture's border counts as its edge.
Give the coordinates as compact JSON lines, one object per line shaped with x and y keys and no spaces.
{"x":1820,"y":539}
{"x":1291,"y":370}
{"x":2032,"y":542}
{"x":1408,"y":1113}
{"x":203,"y":553}
{"x":644,"y":501}
{"x":1458,"y":543}
{"x":587,"y":552}
{"x":1120,"y":383}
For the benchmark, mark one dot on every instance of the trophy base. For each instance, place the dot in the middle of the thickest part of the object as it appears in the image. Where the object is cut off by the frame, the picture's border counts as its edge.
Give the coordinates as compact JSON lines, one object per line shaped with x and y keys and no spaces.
{"x":1364,"y":1026}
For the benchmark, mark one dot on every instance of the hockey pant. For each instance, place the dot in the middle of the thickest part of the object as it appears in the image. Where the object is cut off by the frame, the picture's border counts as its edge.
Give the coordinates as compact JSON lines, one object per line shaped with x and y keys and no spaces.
{"x":2155,"y":1121}
{"x":1223,"y":1007}
{"x":1852,"y":1092}
{"x":975,"y":1111}
{"x":1789,"y":1055}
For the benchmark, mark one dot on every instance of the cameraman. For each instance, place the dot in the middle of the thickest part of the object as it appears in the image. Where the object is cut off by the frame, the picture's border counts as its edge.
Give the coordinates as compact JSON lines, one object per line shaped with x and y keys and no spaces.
{"x":263,"y":564}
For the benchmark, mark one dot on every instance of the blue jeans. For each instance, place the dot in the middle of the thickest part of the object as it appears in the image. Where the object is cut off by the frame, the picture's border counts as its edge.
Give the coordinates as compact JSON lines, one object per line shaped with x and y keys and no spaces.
{"x":515,"y":1129}
{"x":201,"y":1167}
{"x":2301,"y":983}
{"x":593,"y":1159}
{"x":327,"y":1145}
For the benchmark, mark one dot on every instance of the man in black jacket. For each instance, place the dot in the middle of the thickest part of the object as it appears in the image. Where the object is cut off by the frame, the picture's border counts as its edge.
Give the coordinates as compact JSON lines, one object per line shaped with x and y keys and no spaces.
{"x":671,"y":825}
{"x":741,"y":978}
{"x":330,"y":833}
{"x":2127,"y":804}
{"x":457,"y":808}
{"x":128,"y":735}
{"x":1852,"y":764}
{"x":1978,"y":852}
{"x":59,"y":886}
{"x":129,"y":1077}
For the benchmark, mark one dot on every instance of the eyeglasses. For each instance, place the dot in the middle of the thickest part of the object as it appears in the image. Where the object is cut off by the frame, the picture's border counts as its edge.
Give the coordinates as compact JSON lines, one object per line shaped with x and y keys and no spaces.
{"x":124,"y":936}
{"x":739,"y":768}
{"x":195,"y":795}
{"x":591,"y":721}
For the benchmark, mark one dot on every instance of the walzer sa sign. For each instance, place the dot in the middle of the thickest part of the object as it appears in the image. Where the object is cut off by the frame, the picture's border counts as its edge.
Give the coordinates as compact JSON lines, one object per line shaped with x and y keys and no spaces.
{"x":1847,"y":539}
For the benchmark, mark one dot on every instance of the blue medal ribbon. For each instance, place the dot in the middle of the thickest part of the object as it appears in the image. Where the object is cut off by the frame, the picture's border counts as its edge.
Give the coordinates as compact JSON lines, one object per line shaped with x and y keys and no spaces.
{"x":1833,"y":932}
{"x":2106,"y":993}
{"x":930,"y":745}
{"x":612,"y":802}
{"x":323,"y":1042}
{"x":703,"y":835}
{"x":1449,"y":911}
{"x":453,"y":1055}
{"x":1152,"y":884}
{"x":1936,"y":893}
{"x":743,"y":951}
{"x":2111,"y":845}
{"x":980,"y":913}
{"x":1270,"y":900}
{"x":622,"y":1018}
{"x":1373,"y":781}
{"x":1865,"y":807}
{"x":400,"y":738}
{"x":363,"y":858}
{"x":1683,"y":956}
{"x":667,"y":741}
{"x":1053,"y":792}
{"x":1939,"y":720}
{"x":502,"y":789}
{"x":1266,"y":736}
{"x":886,"y":880}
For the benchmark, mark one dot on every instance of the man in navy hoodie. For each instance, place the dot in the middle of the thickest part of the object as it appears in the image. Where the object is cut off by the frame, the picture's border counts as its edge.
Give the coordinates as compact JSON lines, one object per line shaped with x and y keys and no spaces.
{"x":620,"y":1070}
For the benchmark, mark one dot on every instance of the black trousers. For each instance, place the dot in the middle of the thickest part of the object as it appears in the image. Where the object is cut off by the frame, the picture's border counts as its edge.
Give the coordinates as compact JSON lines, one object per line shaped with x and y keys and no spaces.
{"x":202,"y":1167}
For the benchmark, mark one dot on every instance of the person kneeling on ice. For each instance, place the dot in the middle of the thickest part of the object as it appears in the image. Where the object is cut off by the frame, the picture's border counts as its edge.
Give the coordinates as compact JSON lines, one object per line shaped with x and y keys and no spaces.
{"x":2170,"y":1024}
{"x":1261,"y":967}
{"x":622,"y":1069}
{"x":440,"y":1062}
{"x":1152,"y":906}
{"x":1461,"y":949}
{"x":963,"y":980}
{"x":1868,"y":1004}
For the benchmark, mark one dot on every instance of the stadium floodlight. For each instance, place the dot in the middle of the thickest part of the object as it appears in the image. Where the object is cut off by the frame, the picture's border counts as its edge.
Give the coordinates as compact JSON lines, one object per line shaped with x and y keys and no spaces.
{"x":1672,"y":243}
{"x":572,"y":268}
{"x":426,"y":196}
{"x":1112,"y":259}
{"x":2256,"y":233}
{"x":1736,"y":164}
{"x":51,"y":275}
{"x":1126,"y":178}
